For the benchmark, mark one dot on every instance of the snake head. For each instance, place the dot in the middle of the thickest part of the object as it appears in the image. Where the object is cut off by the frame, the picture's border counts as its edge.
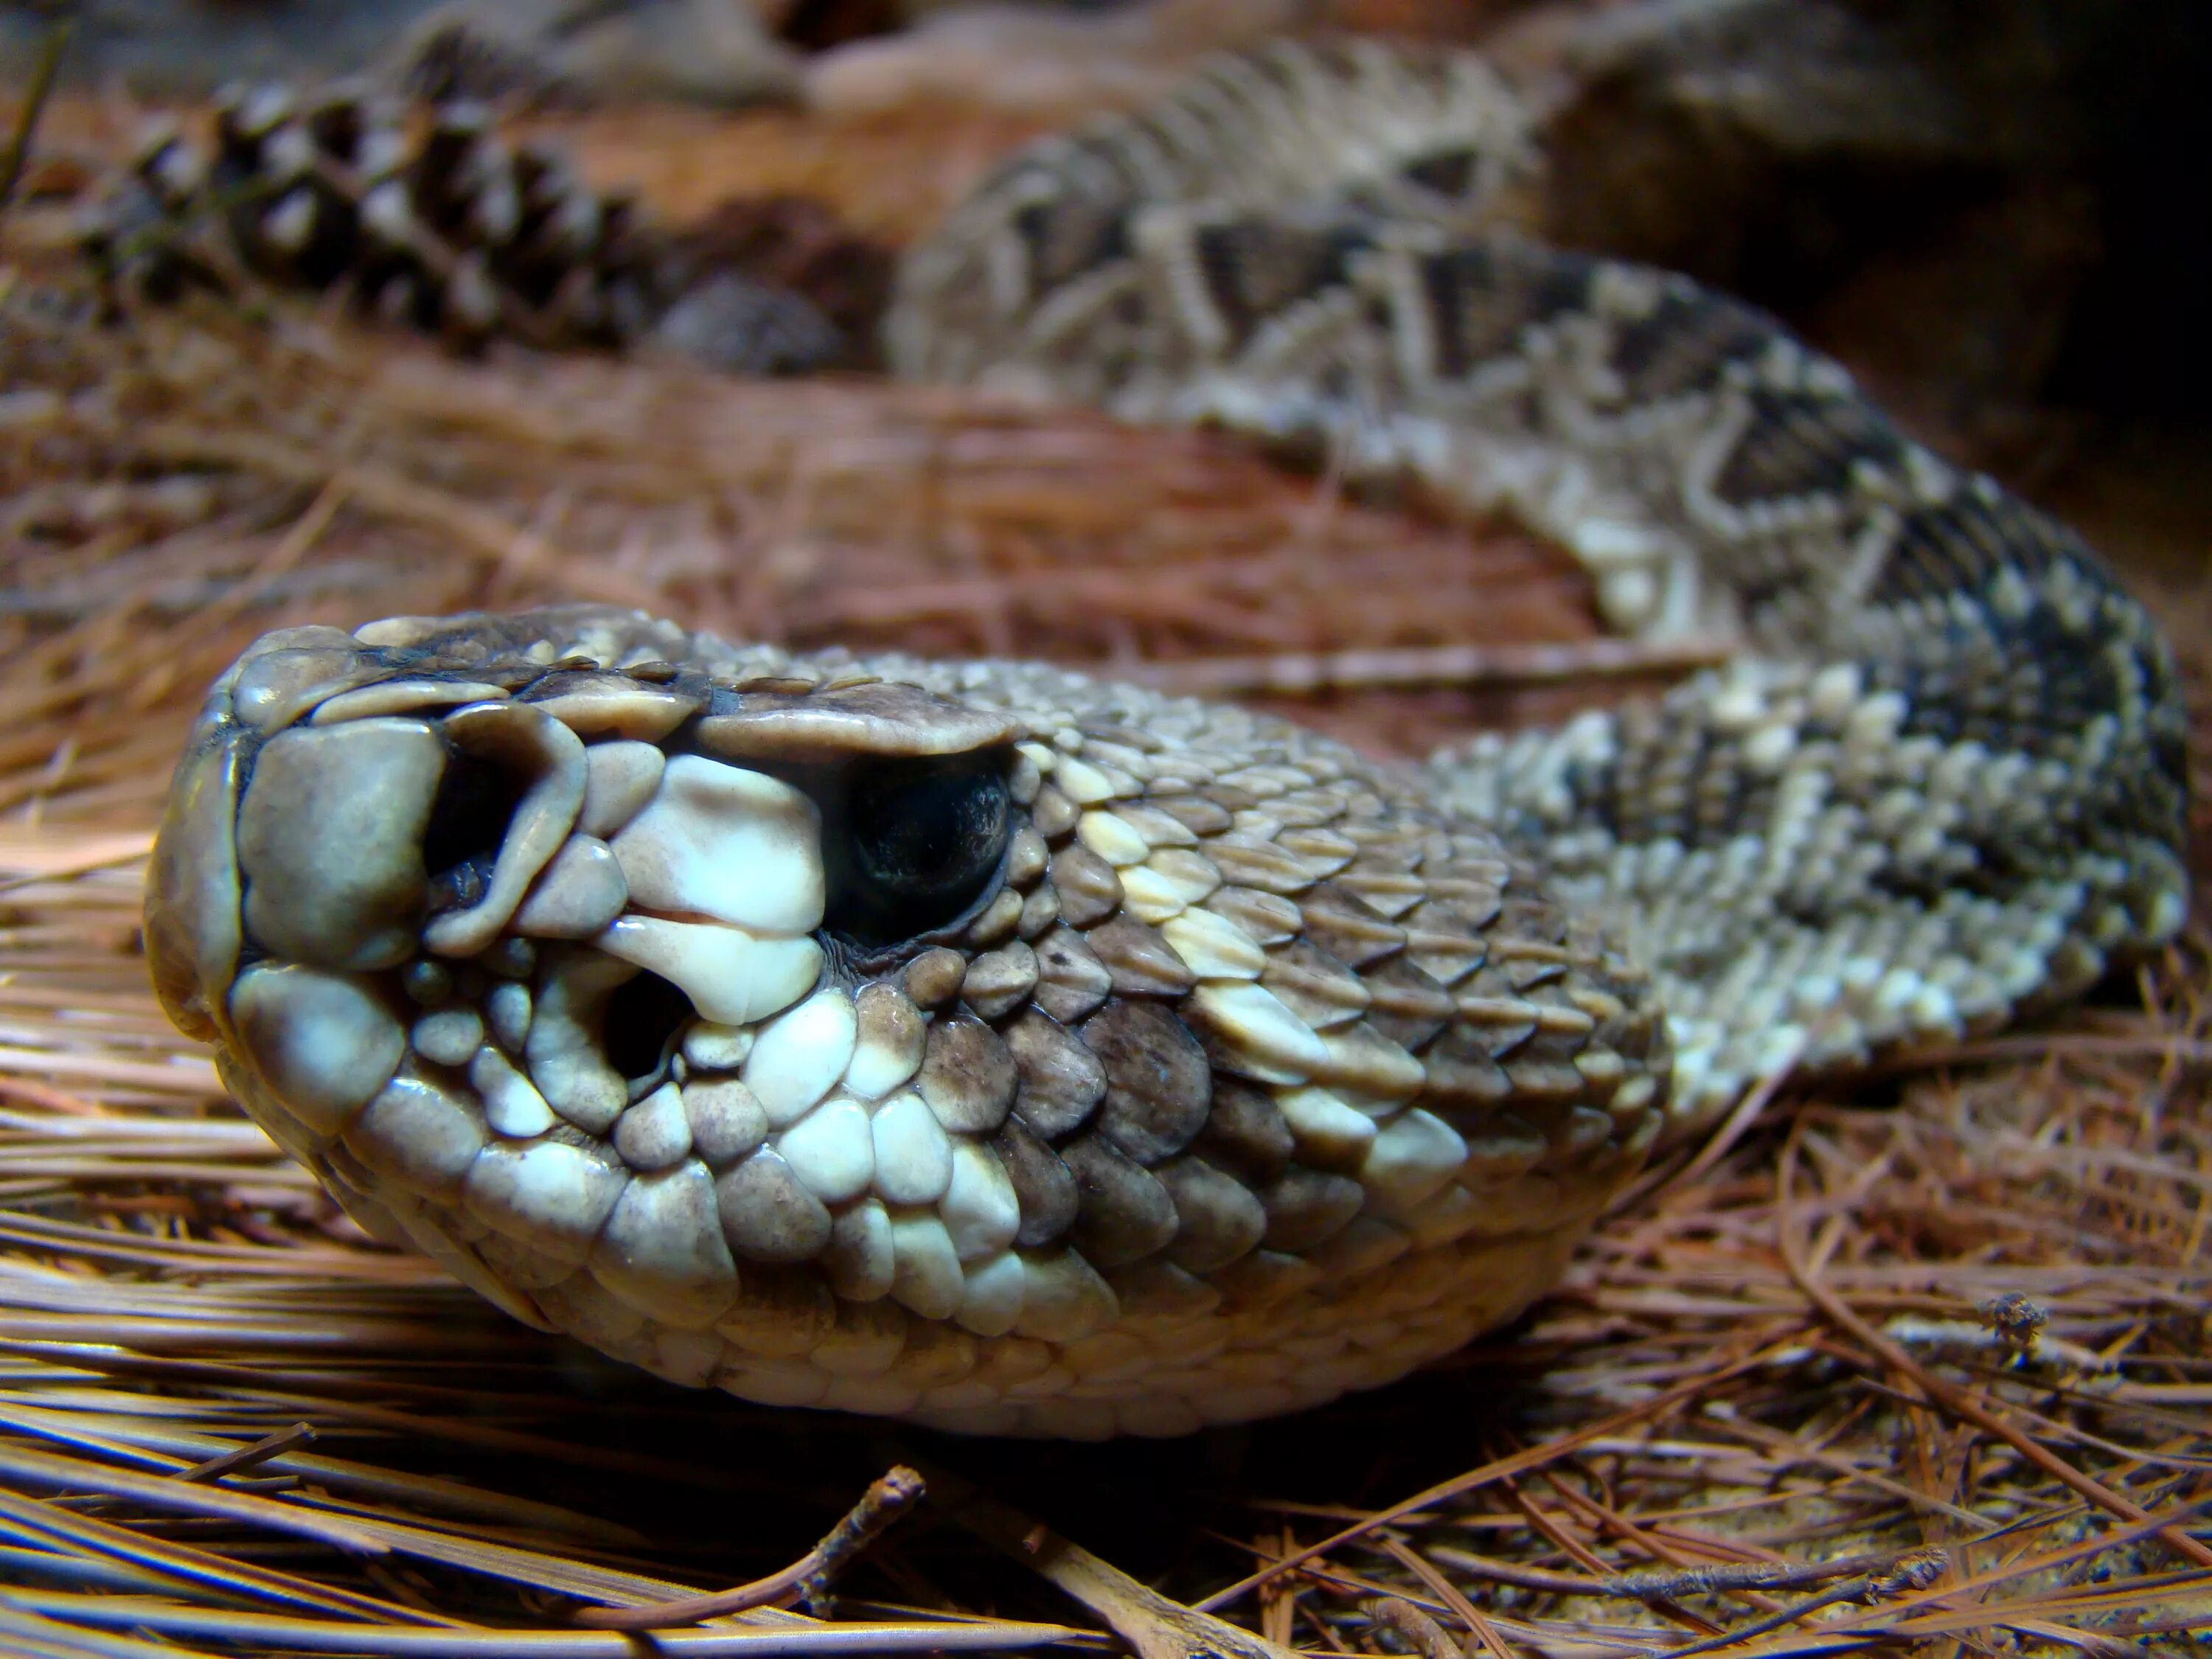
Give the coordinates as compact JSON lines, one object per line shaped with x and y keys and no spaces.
{"x":973,"y":1042}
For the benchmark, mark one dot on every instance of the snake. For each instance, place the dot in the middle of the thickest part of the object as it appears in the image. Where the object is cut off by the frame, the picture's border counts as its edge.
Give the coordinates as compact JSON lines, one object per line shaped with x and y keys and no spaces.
{"x":1016,"y":1052}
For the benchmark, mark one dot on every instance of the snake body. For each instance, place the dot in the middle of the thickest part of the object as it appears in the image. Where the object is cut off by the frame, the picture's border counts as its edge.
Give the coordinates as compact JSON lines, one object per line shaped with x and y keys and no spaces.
{"x":1018,"y":1052}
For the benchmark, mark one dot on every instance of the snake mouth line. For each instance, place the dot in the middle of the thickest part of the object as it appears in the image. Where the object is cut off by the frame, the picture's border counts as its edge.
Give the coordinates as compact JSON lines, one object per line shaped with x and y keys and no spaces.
{"x":842,"y":1039}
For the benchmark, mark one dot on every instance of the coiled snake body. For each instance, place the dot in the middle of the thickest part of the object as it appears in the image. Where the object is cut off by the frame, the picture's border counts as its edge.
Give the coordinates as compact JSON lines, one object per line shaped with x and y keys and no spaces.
{"x":988,"y":1045}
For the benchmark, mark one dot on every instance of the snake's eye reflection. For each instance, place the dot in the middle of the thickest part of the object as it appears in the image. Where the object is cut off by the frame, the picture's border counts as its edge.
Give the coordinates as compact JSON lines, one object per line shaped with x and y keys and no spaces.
{"x":921,"y":841}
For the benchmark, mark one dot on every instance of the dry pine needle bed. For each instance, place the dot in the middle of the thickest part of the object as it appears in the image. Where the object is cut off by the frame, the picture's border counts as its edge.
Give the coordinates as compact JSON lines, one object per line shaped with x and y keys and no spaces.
{"x":1926,"y":1364}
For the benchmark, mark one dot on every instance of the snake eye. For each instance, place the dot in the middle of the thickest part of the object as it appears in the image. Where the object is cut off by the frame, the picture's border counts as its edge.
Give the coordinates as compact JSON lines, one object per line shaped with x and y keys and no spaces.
{"x":922,"y":841}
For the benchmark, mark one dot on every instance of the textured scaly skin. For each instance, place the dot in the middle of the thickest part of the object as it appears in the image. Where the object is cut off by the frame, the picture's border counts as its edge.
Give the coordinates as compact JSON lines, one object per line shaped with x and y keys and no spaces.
{"x":1258,"y":1070}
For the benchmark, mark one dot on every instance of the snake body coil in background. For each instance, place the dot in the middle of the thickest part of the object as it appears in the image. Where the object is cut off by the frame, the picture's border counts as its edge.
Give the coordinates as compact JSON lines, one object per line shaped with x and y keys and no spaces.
{"x":985,"y":1044}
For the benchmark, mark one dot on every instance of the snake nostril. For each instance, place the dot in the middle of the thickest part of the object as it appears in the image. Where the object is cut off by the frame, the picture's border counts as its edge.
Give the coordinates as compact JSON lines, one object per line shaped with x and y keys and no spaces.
{"x":643,"y":1015}
{"x":475,"y":801}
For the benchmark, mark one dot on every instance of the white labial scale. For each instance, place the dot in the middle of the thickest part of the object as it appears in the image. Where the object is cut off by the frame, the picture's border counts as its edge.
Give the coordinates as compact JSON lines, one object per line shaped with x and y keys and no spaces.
{"x":991,"y":1294}
{"x":887,"y":1050}
{"x":576,"y":894}
{"x":420,"y":1136}
{"x":927,"y":1277}
{"x":831,"y":1149}
{"x":548,"y":1195}
{"x":662,"y":1248}
{"x":913,"y":1155}
{"x":324,"y":1042}
{"x":512,"y":1104}
{"x":796,"y":1059}
{"x":711,"y":1047}
{"x":619,"y":778}
{"x":980,"y":1209}
{"x":731,"y":977}
{"x":720,"y":841}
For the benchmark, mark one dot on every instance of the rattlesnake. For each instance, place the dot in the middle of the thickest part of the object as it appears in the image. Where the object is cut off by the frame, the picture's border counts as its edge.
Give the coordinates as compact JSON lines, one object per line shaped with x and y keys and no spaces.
{"x":992,"y":1046}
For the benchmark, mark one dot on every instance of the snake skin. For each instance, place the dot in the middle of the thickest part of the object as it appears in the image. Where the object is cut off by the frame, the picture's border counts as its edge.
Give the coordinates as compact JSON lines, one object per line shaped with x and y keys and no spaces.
{"x":1248,"y":1070}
